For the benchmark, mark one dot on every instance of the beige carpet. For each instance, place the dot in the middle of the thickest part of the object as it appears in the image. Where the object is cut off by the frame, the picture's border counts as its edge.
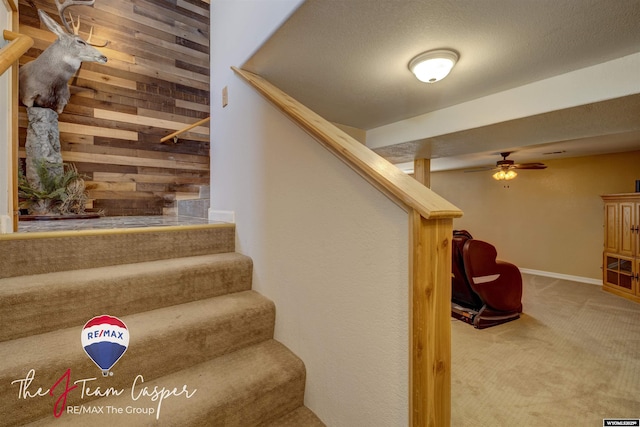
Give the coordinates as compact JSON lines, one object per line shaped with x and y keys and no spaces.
{"x":573,"y":358}
{"x":195,"y":325}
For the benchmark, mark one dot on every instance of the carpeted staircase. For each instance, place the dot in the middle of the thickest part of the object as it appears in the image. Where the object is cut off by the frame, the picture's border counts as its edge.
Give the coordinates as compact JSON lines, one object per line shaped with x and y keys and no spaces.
{"x":201,"y":349}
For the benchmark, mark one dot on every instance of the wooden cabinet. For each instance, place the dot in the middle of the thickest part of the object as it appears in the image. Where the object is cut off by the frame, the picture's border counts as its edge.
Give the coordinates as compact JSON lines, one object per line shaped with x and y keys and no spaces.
{"x":621,"y":256}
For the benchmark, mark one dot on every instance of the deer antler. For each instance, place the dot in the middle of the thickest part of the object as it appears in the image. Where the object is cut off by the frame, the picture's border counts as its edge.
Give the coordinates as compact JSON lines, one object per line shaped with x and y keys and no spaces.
{"x":76,"y":26}
{"x":67,"y":3}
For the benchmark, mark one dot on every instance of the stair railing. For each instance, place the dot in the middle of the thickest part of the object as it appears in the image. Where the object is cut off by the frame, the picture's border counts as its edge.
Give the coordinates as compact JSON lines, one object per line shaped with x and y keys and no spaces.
{"x":430,"y":234}
{"x":14,"y":50}
{"x":174,"y":135}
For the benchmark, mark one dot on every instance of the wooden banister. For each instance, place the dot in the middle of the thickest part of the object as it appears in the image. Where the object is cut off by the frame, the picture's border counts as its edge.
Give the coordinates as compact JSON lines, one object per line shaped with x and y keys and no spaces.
{"x":14,"y":50}
{"x":430,"y":234}
{"x":186,"y":129}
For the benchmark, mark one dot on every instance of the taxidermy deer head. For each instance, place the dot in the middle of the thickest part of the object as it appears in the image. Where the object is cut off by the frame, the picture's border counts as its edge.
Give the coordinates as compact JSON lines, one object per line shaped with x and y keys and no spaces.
{"x":44,"y":81}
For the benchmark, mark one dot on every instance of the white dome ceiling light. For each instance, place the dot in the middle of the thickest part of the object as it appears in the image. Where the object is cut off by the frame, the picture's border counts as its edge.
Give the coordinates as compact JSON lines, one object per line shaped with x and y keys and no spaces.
{"x":432,"y":66}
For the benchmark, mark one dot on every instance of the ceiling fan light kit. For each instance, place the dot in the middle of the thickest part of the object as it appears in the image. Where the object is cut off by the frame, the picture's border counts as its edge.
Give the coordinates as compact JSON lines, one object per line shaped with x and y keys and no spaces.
{"x":434,"y":65}
{"x":504,"y":175}
{"x":506,"y":168}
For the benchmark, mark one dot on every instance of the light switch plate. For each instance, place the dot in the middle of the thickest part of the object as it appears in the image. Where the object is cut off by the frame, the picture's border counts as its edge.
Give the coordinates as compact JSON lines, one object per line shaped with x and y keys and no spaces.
{"x":225,"y":96}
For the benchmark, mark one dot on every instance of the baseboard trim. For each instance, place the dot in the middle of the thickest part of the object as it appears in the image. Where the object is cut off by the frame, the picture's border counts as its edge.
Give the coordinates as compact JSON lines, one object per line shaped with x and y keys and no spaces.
{"x":581,"y":279}
{"x":6,"y":224}
{"x":222,"y":216}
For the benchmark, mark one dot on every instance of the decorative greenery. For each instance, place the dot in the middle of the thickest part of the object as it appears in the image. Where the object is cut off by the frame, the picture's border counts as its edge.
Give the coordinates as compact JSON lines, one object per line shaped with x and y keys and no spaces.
{"x":63,"y":194}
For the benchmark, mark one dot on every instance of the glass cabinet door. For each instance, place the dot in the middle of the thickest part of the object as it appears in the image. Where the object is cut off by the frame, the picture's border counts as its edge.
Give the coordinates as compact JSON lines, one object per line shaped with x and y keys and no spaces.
{"x":620,"y":272}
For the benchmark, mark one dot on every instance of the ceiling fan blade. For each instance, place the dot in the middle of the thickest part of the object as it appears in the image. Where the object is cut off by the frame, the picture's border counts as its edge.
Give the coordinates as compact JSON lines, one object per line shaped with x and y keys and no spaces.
{"x":531,"y":166}
{"x":484,"y":169}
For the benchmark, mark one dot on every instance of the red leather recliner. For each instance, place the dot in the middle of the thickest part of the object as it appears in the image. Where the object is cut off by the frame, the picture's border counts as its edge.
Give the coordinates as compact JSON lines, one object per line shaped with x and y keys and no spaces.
{"x":484,"y":292}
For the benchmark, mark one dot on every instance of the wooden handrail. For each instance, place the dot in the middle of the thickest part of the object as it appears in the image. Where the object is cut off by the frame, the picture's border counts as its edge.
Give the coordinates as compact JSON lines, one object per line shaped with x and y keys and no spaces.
{"x":430,"y":235}
{"x":186,"y":129}
{"x":14,"y":50}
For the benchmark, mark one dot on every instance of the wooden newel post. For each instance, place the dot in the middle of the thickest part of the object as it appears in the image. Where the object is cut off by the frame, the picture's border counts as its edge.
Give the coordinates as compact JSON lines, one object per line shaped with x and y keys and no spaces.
{"x":430,"y":365}
{"x":430,"y":369}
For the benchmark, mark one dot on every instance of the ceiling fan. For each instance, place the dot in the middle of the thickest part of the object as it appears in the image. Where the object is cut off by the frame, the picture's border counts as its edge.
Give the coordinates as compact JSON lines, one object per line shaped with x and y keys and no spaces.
{"x":505,"y":168}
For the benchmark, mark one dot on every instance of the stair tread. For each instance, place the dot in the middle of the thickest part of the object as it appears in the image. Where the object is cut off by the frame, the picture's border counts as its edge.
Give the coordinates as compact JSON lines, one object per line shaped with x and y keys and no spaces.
{"x":196,"y":331}
{"x":73,"y":250}
{"x":147,"y":325}
{"x":299,"y":417}
{"x":70,"y":278}
{"x":262,"y":382}
{"x":125,"y":289}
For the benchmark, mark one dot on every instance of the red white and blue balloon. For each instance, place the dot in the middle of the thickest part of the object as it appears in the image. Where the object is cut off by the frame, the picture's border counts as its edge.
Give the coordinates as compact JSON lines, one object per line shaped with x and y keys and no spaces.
{"x":105,"y":339}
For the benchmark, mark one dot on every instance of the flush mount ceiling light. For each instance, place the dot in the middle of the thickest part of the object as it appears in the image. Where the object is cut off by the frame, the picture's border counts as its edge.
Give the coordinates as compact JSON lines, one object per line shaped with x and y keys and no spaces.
{"x":432,"y":66}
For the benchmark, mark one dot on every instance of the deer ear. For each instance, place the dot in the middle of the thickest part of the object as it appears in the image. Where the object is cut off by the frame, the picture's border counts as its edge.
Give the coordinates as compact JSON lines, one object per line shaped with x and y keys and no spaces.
{"x":52,"y":25}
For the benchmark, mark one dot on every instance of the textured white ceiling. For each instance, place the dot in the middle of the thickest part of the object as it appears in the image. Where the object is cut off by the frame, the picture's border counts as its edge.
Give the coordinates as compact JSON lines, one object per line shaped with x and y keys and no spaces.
{"x":347,"y":59}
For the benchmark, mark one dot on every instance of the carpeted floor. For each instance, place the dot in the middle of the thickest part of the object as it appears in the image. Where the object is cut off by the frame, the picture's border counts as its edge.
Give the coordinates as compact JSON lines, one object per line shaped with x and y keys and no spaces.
{"x":573,"y":358}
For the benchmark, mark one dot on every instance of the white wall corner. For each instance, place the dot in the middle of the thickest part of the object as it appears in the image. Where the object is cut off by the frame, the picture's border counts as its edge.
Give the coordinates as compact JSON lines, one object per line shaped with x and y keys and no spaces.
{"x":222,"y":216}
{"x":6,"y":110}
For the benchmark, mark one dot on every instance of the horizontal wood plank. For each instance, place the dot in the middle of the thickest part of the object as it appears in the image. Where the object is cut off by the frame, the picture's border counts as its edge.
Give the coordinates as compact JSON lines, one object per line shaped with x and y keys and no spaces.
{"x":146,"y":121}
{"x":110,"y":186}
{"x":142,"y":178}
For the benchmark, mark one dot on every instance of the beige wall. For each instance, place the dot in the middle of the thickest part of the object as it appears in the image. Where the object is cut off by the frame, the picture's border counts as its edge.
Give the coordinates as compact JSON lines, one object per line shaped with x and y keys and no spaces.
{"x":548,"y":220}
{"x":329,"y":249}
{"x":355,"y":133}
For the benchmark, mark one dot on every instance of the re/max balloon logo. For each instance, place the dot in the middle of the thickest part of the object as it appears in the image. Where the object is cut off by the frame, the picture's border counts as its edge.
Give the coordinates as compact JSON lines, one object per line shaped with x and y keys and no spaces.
{"x":105,"y":339}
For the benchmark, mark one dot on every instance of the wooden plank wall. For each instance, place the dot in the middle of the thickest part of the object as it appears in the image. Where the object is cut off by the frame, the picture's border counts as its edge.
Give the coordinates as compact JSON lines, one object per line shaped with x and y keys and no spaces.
{"x":156,"y":81}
